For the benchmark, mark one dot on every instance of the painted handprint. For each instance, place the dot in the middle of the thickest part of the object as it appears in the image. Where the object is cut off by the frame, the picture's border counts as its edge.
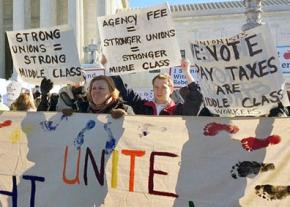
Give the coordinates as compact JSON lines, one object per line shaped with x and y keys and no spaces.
{"x":52,"y":125}
{"x":79,"y":140}
{"x":111,"y":143}
{"x":213,"y":129}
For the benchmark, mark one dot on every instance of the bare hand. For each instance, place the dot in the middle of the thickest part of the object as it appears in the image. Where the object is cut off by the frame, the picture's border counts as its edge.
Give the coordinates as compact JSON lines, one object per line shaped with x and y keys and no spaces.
{"x":185,"y":64}
{"x":103,"y":60}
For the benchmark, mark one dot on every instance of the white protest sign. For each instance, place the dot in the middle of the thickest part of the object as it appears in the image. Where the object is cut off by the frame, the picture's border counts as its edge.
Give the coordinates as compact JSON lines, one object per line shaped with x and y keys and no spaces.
{"x":13,"y":91}
{"x":178,"y":77}
{"x":139,"y":40}
{"x":284,"y":57}
{"x":45,"y":52}
{"x":91,"y":72}
{"x":88,"y":160}
{"x":240,"y":76}
{"x":145,"y":93}
{"x":3,"y":83}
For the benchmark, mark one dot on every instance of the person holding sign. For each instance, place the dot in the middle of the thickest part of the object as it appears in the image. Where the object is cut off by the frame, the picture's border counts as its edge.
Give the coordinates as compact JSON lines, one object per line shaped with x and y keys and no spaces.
{"x":163,"y":88}
{"x":103,"y":97}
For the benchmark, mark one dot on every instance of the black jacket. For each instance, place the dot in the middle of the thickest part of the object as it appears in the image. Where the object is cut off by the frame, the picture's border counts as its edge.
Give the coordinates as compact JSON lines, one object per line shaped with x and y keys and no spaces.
{"x":191,"y":105}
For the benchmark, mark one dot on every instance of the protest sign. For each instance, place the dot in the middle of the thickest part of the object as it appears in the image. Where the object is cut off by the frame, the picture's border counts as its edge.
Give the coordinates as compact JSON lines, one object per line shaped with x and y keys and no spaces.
{"x":13,"y":91}
{"x":141,"y":80}
{"x":284,"y":57}
{"x":179,"y":79}
{"x":45,"y":52}
{"x":240,"y":76}
{"x":93,"y":160}
{"x":145,"y":93}
{"x":4,"y":83}
{"x":139,"y":40}
{"x":91,"y":72}
{"x":3,"y":92}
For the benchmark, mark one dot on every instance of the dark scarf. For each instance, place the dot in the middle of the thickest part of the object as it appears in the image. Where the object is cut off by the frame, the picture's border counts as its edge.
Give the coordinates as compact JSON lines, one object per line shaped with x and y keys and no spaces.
{"x":104,"y":107}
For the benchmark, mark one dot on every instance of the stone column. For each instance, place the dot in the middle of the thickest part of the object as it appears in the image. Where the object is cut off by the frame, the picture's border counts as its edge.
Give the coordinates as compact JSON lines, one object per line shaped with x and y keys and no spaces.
{"x":21,"y":20}
{"x":21,"y":14}
{"x":100,"y":11}
{"x":27,"y":14}
{"x":253,"y":13}
{"x":48,"y":15}
{"x":18,"y":14}
{"x":18,"y":22}
{"x":75,"y":20}
{"x":2,"y":41}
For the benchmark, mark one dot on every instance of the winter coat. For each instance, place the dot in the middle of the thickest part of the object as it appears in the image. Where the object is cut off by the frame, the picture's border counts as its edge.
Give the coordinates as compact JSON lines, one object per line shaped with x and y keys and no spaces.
{"x":71,"y":99}
{"x":190,"y":106}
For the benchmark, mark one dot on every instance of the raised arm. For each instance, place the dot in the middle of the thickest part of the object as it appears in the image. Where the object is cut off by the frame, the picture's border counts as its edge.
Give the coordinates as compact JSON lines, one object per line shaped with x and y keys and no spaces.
{"x":191,"y":93}
{"x":185,"y":66}
{"x":128,"y":95}
{"x":45,"y":87}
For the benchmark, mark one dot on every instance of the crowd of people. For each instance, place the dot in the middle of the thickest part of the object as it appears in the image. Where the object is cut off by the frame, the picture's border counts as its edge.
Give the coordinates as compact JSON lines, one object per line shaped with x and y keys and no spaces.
{"x":110,"y":95}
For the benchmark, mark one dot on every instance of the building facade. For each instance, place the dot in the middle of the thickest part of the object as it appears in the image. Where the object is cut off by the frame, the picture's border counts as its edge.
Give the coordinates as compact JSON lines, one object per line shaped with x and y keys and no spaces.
{"x":224,"y":19}
{"x":192,"y":21}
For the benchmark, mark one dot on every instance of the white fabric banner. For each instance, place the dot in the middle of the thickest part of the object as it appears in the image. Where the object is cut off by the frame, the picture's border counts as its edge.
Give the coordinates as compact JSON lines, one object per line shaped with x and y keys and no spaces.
{"x":240,"y":76}
{"x":139,"y":40}
{"x":92,"y":160}
{"x":45,"y":52}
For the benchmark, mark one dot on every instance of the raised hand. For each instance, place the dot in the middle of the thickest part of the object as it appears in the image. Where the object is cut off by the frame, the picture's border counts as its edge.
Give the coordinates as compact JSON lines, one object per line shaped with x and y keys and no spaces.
{"x":45,"y":86}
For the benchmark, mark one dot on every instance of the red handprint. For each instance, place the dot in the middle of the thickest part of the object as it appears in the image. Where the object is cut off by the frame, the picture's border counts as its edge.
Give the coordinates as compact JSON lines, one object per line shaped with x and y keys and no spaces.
{"x":5,"y":123}
{"x":213,"y":128}
{"x":252,"y":143}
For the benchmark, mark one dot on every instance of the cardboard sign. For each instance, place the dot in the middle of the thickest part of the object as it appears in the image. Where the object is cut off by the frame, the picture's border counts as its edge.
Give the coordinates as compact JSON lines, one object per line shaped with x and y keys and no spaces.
{"x":93,"y":160}
{"x":139,"y":40}
{"x":240,"y":76}
{"x":45,"y":52}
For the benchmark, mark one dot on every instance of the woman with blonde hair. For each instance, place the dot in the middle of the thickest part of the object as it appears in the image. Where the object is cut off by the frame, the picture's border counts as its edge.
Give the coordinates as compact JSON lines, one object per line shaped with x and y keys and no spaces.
{"x":24,"y":102}
{"x":103,"y":97}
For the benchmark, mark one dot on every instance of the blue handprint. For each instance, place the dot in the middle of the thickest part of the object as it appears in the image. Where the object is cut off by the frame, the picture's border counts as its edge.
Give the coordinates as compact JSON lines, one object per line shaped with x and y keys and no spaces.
{"x":48,"y":125}
{"x":111,"y":143}
{"x":79,"y":140}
